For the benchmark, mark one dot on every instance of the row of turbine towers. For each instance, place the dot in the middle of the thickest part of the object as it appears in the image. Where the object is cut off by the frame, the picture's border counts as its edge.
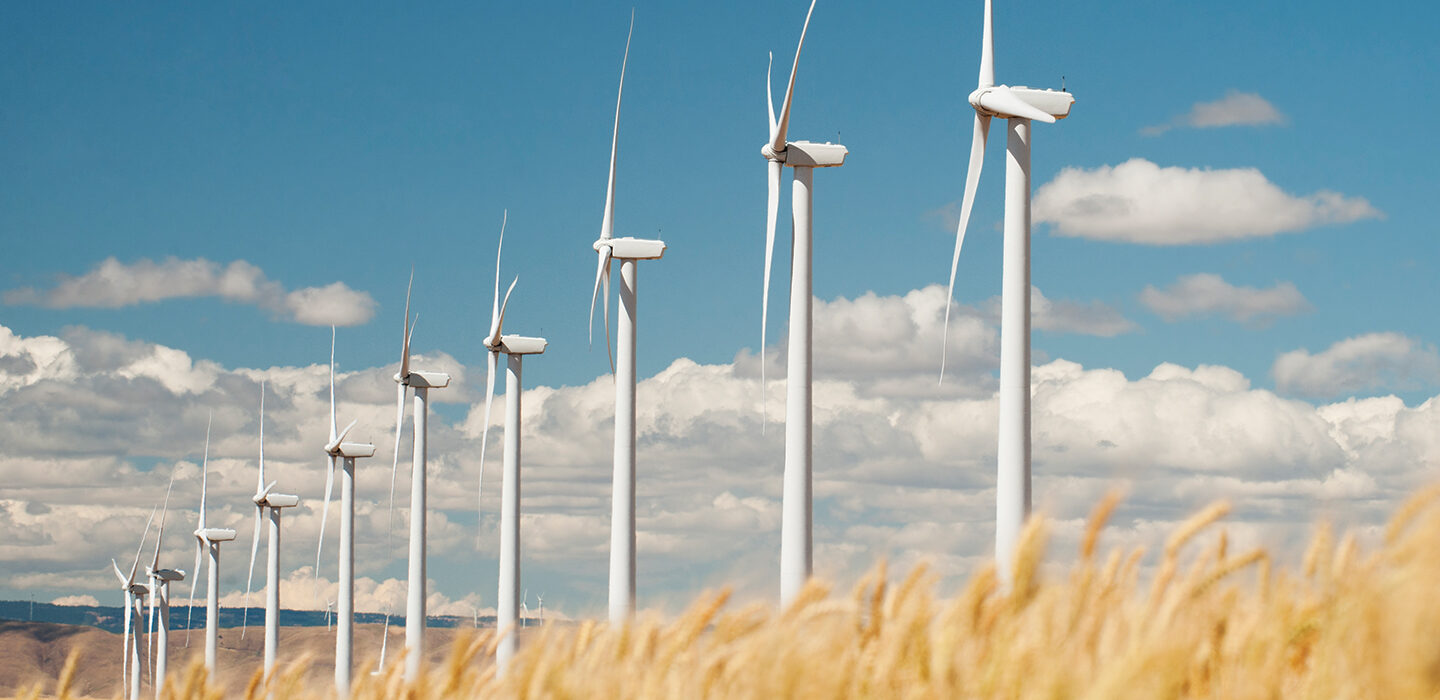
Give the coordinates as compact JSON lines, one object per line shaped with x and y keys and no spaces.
{"x":1019,"y":106}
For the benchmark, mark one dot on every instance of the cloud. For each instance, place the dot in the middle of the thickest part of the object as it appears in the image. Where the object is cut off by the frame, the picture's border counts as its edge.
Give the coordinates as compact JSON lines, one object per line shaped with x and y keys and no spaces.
{"x":1389,"y":361}
{"x":113,"y":284}
{"x":1208,"y":294}
{"x":1140,"y":202}
{"x":1234,"y":109}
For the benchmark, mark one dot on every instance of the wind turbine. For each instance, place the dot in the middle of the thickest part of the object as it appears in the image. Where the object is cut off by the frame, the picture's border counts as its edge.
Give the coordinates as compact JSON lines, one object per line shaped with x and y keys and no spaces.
{"x":160,"y":580}
{"x":208,"y":538}
{"x":1018,"y":106}
{"x":628,"y":251}
{"x":265,"y":500}
{"x":524,"y":609}
{"x":803,"y":157}
{"x":329,"y":610}
{"x":337,"y":449}
{"x":421,"y":382}
{"x":540,"y":603}
{"x":515,"y":347}
{"x":133,"y":617}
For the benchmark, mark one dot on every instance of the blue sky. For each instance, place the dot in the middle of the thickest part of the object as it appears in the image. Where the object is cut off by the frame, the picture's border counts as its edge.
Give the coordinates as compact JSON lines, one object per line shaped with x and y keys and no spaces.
{"x":325,"y":144}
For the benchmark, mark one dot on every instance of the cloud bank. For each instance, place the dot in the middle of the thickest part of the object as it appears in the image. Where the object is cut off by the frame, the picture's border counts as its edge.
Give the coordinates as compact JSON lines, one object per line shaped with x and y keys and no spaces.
{"x":1140,"y":202}
{"x":903,"y":469}
{"x":113,"y":284}
{"x":1362,"y":363}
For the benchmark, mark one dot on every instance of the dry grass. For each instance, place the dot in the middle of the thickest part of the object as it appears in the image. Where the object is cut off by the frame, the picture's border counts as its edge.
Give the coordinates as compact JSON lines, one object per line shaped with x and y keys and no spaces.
{"x":1211,"y":623}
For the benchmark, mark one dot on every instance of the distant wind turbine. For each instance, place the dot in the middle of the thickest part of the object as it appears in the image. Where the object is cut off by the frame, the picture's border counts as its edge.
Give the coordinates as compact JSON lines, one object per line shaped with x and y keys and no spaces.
{"x":421,"y":382}
{"x":1019,"y":106}
{"x":628,"y":251}
{"x":133,"y":618}
{"x":265,"y":499}
{"x":515,"y":348}
{"x":345,"y":452}
{"x":803,"y":157}
{"x":160,"y":580}
{"x":208,"y":538}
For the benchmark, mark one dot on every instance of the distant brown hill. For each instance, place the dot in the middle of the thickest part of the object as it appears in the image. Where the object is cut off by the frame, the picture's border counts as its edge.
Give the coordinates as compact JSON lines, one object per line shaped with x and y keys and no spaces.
{"x":35,"y":652}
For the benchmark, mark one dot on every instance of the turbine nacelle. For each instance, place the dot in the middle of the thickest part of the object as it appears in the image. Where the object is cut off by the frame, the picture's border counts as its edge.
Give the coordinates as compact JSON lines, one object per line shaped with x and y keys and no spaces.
{"x":807,"y":154}
{"x":355,"y":449}
{"x":281,"y":500}
{"x":424,"y":380}
{"x":1022,"y":102}
{"x":521,"y":345}
{"x":629,"y":248}
{"x":215,"y":534}
{"x":168,"y":575}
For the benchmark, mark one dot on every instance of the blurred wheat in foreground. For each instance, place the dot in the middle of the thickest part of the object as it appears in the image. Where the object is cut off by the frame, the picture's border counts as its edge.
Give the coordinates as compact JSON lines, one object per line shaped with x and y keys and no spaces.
{"x":1219,"y":624}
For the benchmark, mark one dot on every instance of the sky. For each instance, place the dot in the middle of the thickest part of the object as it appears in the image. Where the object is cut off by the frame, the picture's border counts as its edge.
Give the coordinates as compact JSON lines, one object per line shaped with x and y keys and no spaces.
{"x":1233,"y":257}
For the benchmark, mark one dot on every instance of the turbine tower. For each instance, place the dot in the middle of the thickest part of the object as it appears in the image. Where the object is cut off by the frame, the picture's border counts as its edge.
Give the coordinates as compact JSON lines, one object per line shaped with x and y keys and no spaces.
{"x":628,"y":251}
{"x":1018,"y":106}
{"x":130,"y":659}
{"x":208,"y":538}
{"x":421,"y":382}
{"x":803,"y":157}
{"x":337,"y":449}
{"x":160,"y":580}
{"x":266,"y":500}
{"x":515,"y":348}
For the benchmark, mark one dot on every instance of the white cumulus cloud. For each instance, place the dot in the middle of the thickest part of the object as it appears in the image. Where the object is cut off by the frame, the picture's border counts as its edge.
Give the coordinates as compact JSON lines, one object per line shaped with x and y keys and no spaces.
{"x":1234,"y":109}
{"x":113,"y":284}
{"x":1389,"y":361}
{"x":1209,"y":294}
{"x":1140,"y":202}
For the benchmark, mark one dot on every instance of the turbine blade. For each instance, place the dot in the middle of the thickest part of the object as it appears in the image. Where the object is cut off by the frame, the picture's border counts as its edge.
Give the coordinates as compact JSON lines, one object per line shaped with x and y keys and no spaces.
{"x":987,"y":51}
{"x":254,"y":548}
{"x":494,"y":366}
{"x":205,"y":469}
{"x":972,"y":180}
{"x":395,"y":463}
{"x":602,"y":262}
{"x":500,"y":320}
{"x":118,"y":575}
{"x":1003,"y":101}
{"x":260,"y":478}
{"x":772,"y":211}
{"x":194,"y":578}
{"x":405,"y":340}
{"x":605,"y":282}
{"x":495,"y":301}
{"x":777,"y":141}
{"x":141,"y":547}
{"x":324,"y":515}
{"x":332,"y":383}
{"x":345,"y":433}
{"x":155,"y":563}
{"x":770,"y":94}
{"x":607,"y":223}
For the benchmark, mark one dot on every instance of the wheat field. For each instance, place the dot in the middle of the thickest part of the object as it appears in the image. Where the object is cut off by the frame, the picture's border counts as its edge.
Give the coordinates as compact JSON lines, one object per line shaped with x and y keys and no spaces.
{"x":1207,"y":623}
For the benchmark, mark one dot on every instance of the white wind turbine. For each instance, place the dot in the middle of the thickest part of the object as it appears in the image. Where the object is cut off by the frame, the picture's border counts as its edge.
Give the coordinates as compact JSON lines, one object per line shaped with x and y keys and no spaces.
{"x":207,"y":538}
{"x":515,"y":348}
{"x":344,"y":453}
{"x":803,"y":157}
{"x":134,"y":616}
{"x":266,"y":500}
{"x":628,"y":251}
{"x":160,"y":580}
{"x":421,"y":382}
{"x":1018,"y":106}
